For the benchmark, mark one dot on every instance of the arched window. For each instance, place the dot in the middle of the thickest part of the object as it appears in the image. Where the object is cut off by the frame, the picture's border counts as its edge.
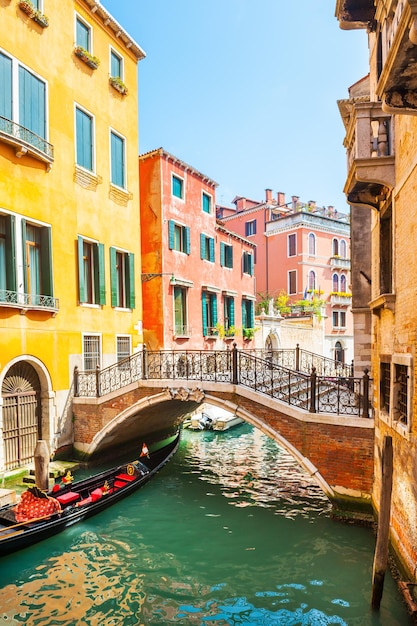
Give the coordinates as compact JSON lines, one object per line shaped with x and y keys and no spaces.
{"x":343,"y":249}
{"x":339,"y":353}
{"x":335,"y":279}
{"x":312,"y":244}
{"x":335,"y":247}
{"x":343,"y":283}
{"x":311,"y":280}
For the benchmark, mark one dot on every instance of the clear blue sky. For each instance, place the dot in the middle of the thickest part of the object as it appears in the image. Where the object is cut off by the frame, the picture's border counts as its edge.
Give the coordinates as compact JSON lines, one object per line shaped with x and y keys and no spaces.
{"x":246,"y":92}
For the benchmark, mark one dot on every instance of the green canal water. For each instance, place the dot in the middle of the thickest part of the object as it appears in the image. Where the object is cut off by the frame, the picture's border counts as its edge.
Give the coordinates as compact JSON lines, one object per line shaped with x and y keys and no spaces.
{"x":229,"y":532}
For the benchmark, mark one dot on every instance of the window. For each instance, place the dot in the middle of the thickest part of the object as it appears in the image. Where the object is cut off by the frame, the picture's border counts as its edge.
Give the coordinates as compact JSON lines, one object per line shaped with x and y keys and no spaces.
{"x":385,"y":257}
{"x":116,"y":65}
{"x":91,"y":352}
{"x":209,"y":311}
{"x":292,"y":282}
{"x":250,"y":228}
{"x":178,"y":237}
{"x":339,"y":353}
{"x":180,"y":311}
{"x":229,"y":315}
{"x":83,"y":34}
{"x":292,"y":245}
{"x":401,"y":393}
{"x":248,"y":319}
{"x":117,"y":156}
{"x":311,"y":244}
{"x":91,"y":285}
{"x":23,"y":101}
{"x":335,"y":247}
{"x":339,"y":319}
{"x":7,"y":256}
{"x":177,"y":187}
{"x":226,"y":255}
{"x":385,"y":386}
{"x":122,"y":279}
{"x":84,"y":128}
{"x":206,"y":201}
{"x":123,"y":349}
{"x":343,"y":249}
{"x":343,"y":283}
{"x":37,"y":262}
{"x":335,"y":283}
{"x":247,"y":263}
{"x":206,"y":248}
{"x":311,"y":281}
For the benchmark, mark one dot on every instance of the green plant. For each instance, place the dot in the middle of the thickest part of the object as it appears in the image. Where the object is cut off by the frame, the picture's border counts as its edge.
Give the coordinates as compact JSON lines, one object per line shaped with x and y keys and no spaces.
{"x":249,"y":333}
{"x":223,"y":332}
{"x":118,"y":84}
{"x":91,"y":60}
{"x":33,"y":12}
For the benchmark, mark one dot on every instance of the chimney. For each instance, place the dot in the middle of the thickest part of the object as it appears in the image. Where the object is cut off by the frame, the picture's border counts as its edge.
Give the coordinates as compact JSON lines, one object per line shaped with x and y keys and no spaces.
{"x":281,"y":198}
{"x":294,"y":200}
{"x":268,"y":196}
{"x":241,"y":204}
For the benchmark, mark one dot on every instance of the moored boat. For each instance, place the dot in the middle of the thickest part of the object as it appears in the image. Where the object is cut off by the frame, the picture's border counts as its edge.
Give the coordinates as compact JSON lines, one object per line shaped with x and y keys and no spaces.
{"x":39,"y":515}
{"x":213,"y":418}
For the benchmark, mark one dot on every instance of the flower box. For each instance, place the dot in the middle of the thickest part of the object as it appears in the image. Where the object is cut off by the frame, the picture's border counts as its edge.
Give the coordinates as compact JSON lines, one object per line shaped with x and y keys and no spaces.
{"x":117,"y":83}
{"x":85,"y":56}
{"x":27,"y":7}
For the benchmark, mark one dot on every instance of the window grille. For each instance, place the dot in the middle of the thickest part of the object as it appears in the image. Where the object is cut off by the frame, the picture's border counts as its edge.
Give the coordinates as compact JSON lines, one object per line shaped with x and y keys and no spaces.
{"x":91,"y":345}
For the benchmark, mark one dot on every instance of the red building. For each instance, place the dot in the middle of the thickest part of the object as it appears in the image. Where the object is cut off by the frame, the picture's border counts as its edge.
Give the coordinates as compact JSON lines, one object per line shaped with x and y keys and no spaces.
{"x":304,"y":251}
{"x":198,"y":277}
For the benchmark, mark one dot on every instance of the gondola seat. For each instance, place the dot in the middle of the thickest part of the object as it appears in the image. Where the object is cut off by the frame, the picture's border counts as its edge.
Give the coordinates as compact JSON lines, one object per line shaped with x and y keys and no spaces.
{"x":96,"y":495}
{"x":68,"y":498}
{"x":126,"y":477}
{"x":84,"y":501}
{"x":119,"y":483}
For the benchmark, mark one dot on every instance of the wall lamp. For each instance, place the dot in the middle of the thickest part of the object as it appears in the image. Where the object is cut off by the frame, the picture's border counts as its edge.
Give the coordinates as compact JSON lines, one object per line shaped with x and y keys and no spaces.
{"x":147,"y":277}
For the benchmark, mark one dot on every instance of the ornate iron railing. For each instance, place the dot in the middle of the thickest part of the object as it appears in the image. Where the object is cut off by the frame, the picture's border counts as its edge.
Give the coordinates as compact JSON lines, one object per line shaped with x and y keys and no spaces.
{"x":341,"y":395}
{"x":28,"y":140}
{"x":28,"y":300}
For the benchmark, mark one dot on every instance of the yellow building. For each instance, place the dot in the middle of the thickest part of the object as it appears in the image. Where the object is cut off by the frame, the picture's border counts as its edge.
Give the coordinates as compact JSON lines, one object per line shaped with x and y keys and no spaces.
{"x":381,"y":142}
{"x":70,"y":271}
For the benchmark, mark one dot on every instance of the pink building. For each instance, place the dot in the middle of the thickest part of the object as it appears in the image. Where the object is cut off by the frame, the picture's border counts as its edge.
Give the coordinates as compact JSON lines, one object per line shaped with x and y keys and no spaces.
{"x":198,"y":277}
{"x":304,"y":251}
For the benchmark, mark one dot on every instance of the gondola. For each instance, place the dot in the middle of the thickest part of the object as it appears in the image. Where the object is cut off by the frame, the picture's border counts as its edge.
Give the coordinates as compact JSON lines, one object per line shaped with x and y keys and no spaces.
{"x":39,"y":515}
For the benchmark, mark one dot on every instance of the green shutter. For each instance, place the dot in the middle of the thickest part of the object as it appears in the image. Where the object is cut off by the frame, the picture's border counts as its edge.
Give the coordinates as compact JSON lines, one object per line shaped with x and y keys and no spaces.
{"x":213,"y":305}
{"x":101,"y":275}
{"x":46,"y":261}
{"x":171,"y":234}
{"x":81,"y":284}
{"x":187,"y":244}
{"x":131,"y":281}
{"x":113,"y":278}
{"x":204,"y":312}
{"x":202,"y":246}
{"x":244,"y":324}
{"x":211,"y":247}
{"x":251,"y":316}
{"x":232,"y":312}
{"x":251,"y":264}
{"x":222,"y":260}
{"x":24,"y":257}
{"x":10,"y":253}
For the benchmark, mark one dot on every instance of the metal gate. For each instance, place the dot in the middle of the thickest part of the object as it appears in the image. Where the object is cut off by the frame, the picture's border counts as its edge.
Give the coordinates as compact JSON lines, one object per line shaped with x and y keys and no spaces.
{"x":21,"y":410}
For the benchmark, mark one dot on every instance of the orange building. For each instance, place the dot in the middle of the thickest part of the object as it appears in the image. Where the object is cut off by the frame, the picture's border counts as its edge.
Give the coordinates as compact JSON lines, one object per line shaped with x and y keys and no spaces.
{"x":198,"y":277}
{"x":304,"y":251}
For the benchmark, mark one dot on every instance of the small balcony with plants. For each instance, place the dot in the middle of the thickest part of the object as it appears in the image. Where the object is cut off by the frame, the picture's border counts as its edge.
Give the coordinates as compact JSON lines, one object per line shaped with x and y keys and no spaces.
{"x":117,"y":84}
{"x":340,"y":298}
{"x":37,"y":16}
{"x":85,"y":56}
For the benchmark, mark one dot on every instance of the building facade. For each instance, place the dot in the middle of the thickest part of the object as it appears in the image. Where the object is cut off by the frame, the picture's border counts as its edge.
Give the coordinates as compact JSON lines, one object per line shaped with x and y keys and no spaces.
{"x":381,"y":140}
{"x":198,"y":278}
{"x":69,"y":211}
{"x":302,"y":250}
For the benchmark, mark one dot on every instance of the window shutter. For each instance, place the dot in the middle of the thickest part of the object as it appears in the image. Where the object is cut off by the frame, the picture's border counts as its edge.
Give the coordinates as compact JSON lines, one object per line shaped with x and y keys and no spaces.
{"x":232,"y":312}
{"x":251,"y":264}
{"x":131,"y":281}
{"x":244,"y":325}
{"x":101,"y":275}
{"x":211,"y":247}
{"x":24,"y":257}
{"x":10,"y":253}
{"x":171,"y":231}
{"x":231,"y":256}
{"x":204,"y":312}
{"x":202,"y":246}
{"x":222,"y":254}
{"x":31,"y":102}
{"x":81,"y":283}
{"x":213,"y":304}
{"x":113,"y":278}
{"x":46,"y":261}
{"x":187,"y":239}
{"x":251,"y":317}
{"x":6,"y":87}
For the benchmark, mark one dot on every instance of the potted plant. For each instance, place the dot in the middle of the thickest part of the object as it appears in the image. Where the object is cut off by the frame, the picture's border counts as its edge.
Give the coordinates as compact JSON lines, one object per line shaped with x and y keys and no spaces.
{"x":117,"y":83}
{"x":27,"y":7}
{"x":88,"y":58}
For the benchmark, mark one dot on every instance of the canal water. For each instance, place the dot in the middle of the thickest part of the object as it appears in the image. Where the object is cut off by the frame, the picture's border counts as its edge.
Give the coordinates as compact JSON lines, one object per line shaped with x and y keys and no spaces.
{"x":231,"y":531}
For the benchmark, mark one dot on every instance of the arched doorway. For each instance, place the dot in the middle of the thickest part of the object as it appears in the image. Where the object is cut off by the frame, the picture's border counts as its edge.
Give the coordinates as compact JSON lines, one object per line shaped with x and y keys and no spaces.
{"x":339,"y":353}
{"x":21,"y":414}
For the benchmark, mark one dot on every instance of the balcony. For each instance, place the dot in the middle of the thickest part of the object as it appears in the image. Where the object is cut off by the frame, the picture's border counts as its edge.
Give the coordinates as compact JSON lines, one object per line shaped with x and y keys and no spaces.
{"x":340,"y":299}
{"x":28,"y":302}
{"x":354,"y":14}
{"x":370,"y":152}
{"x":338,"y":263}
{"x":397,"y":57}
{"x":24,"y":141}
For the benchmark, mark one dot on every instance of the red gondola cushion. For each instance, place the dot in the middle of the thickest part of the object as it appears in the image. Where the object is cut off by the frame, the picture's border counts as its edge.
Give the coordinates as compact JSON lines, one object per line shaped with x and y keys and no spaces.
{"x":67,"y":498}
{"x":85,"y":501}
{"x":30,"y":507}
{"x":125,"y":477}
{"x":96,"y":495}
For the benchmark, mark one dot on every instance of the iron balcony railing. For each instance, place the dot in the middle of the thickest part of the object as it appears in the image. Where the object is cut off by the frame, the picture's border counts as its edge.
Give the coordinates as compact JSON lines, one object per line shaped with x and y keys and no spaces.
{"x":28,"y":300}
{"x":27,"y":140}
{"x":329,"y":393}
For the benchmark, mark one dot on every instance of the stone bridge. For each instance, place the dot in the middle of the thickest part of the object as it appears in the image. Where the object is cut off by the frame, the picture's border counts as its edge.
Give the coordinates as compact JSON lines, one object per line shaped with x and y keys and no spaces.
{"x":337,"y":450}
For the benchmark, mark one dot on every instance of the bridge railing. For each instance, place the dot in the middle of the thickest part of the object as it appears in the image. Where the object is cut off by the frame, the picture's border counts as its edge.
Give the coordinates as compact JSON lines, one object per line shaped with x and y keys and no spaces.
{"x":341,"y":395}
{"x":303,"y":361}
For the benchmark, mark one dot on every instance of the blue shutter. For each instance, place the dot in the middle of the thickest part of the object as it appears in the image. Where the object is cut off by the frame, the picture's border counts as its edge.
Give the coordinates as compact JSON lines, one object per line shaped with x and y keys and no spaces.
{"x":117,"y":160}
{"x":232,"y":312}
{"x":222,"y":254}
{"x":202,"y":246}
{"x":187,"y":244}
{"x":6,"y":87}
{"x":84,"y":136}
{"x":211,"y":248}
{"x":24,"y":256}
{"x":81,"y":283}
{"x":251,"y":264}
{"x":83,"y":35}
{"x":213,"y":306}
{"x":204,"y":312}
{"x":31,"y":102}
{"x":171,"y":234}
{"x":115,"y":66}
